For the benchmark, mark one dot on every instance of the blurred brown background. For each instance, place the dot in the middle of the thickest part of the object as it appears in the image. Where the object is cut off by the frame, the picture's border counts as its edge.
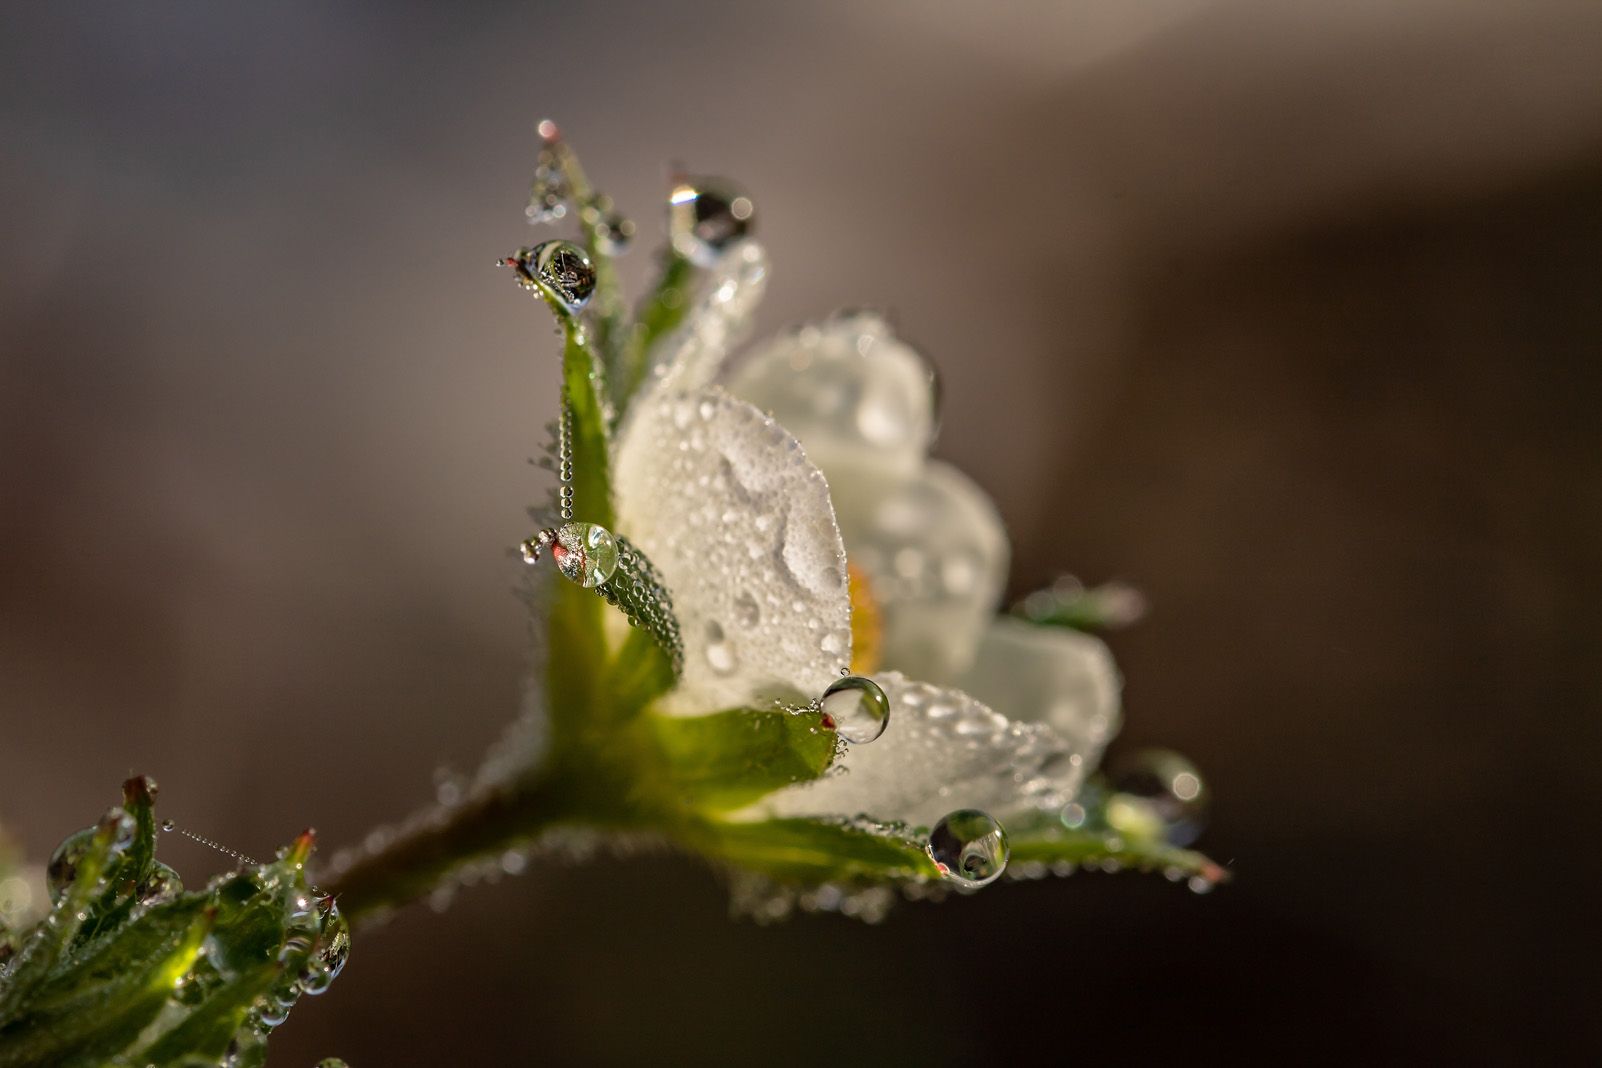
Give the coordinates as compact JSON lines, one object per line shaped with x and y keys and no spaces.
{"x":1287,"y":312}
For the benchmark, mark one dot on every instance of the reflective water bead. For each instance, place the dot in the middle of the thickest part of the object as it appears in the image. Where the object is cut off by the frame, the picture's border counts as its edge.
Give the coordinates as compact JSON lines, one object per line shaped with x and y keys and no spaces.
{"x":706,"y":216}
{"x":1158,"y":794}
{"x":62,"y":868}
{"x":858,"y":707}
{"x":613,"y":233}
{"x":968,"y":847}
{"x":328,"y":961}
{"x":162,"y":884}
{"x":586,"y":553}
{"x":560,"y":266}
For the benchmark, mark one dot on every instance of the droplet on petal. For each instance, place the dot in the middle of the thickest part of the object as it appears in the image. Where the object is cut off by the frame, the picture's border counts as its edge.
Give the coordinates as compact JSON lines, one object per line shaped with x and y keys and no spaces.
{"x":968,"y":847}
{"x":1158,"y":794}
{"x":706,"y":216}
{"x":858,"y":707}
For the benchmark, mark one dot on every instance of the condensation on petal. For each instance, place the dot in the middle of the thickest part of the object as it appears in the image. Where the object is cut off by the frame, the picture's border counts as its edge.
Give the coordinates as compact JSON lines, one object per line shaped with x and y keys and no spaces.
{"x":691,"y":356}
{"x":739,"y":524}
{"x":935,"y":554}
{"x":1051,"y":675}
{"x":943,"y":750}
{"x":860,"y":400}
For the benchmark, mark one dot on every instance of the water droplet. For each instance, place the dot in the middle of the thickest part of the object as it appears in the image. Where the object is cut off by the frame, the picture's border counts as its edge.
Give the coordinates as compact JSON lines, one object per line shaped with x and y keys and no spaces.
{"x":562,"y":267}
{"x":162,"y":884}
{"x":859,"y":708}
{"x":585,"y":553}
{"x":63,"y":866}
{"x":333,"y":949}
{"x":1159,"y":794}
{"x":968,"y":847}
{"x":168,"y":825}
{"x":746,"y":610}
{"x":614,"y":233}
{"x":835,"y":642}
{"x":719,"y":653}
{"x":706,"y":216}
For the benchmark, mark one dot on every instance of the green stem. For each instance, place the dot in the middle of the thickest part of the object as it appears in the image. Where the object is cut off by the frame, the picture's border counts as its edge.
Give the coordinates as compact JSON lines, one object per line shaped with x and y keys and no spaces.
{"x":416,"y":862}
{"x":607,"y":307}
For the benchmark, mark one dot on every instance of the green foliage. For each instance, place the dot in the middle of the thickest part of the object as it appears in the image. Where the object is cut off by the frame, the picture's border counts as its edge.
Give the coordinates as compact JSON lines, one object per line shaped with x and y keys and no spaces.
{"x":128,"y":968}
{"x":729,"y":759}
{"x":817,"y":851}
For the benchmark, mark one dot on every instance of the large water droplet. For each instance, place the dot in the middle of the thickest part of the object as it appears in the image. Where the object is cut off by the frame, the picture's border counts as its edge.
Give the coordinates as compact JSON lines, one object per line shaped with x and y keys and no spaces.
{"x":968,"y":847}
{"x":746,"y":610}
{"x":706,"y":216}
{"x":1158,"y":794}
{"x":62,"y":868}
{"x":859,"y":708}
{"x":614,"y":233}
{"x":585,"y":553}
{"x":562,"y":267}
{"x":329,"y":959}
{"x":719,"y":653}
{"x":162,"y":884}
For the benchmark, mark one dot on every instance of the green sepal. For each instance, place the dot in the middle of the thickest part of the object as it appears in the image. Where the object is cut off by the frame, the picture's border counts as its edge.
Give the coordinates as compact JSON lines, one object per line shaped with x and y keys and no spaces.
{"x":129,"y":970}
{"x":729,"y":759}
{"x":1043,"y":839}
{"x":816,"y":851}
{"x":641,"y":671}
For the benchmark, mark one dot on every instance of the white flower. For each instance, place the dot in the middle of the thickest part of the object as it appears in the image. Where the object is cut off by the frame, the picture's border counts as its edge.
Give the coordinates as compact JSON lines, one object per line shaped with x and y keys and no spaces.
{"x":751,"y":517}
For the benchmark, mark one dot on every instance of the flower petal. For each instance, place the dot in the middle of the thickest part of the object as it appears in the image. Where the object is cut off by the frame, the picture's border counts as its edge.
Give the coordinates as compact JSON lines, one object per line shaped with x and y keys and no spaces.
{"x":935,"y":555}
{"x":739,"y":524}
{"x":942,"y":751}
{"x":1051,"y":675}
{"x":727,"y":297}
{"x":860,"y":400}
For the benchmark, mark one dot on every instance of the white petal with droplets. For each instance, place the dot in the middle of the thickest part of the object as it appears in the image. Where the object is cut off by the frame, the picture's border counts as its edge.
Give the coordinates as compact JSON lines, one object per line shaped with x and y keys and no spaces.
{"x":1050,"y":675}
{"x":860,"y":400}
{"x":738,"y":521}
{"x":942,"y":751}
{"x":935,"y":555}
{"x":726,"y":298}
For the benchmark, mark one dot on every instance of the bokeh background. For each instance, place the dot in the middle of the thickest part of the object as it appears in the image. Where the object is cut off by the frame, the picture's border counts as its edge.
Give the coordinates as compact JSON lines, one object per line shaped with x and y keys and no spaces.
{"x":1286,"y":312}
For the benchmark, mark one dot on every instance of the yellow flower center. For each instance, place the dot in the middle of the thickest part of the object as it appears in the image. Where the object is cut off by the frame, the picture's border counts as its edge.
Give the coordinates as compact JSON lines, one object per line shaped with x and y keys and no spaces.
{"x":867,"y":623}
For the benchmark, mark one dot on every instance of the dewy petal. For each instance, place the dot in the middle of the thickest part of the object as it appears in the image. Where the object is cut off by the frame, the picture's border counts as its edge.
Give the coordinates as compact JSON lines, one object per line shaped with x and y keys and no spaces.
{"x":942,"y":751}
{"x":860,"y":400}
{"x":1051,"y":675}
{"x":935,"y":554}
{"x":728,"y":295}
{"x":739,"y":524}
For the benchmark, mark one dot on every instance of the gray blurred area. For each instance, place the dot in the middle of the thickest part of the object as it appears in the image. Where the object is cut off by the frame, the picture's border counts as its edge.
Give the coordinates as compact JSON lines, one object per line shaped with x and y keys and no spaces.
{"x":1286,"y":312}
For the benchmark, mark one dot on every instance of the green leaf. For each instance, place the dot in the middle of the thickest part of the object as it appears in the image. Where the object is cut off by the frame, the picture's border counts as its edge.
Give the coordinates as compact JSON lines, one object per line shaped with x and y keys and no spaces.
{"x":129,"y":969}
{"x":814,"y":851}
{"x":1044,"y":840}
{"x":729,"y":759}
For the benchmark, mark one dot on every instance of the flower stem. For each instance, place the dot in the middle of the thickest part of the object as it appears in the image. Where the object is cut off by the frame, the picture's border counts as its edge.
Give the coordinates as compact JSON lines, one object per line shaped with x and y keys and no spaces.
{"x":420,"y":857}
